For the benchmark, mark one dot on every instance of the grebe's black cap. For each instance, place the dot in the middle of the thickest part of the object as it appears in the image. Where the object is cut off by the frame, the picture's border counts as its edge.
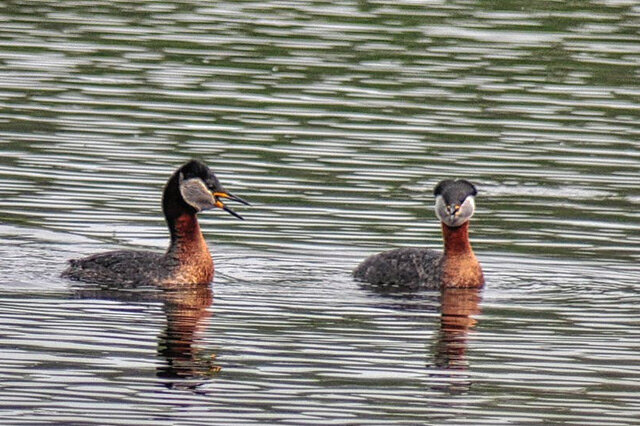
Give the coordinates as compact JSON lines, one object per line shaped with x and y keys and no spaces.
{"x":201,"y":189}
{"x":196,"y":168}
{"x":455,"y":191}
{"x":455,"y":201}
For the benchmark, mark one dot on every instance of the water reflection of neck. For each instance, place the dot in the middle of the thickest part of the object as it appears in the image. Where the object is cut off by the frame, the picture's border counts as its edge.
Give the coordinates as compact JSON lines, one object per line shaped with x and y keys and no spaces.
{"x":458,"y":305}
{"x":187,"y":312}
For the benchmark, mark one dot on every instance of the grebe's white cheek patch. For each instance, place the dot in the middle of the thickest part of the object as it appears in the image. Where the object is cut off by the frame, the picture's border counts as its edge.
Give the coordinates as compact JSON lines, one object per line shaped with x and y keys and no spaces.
{"x":467,"y":208}
{"x":196,"y":194}
{"x":441,"y":209}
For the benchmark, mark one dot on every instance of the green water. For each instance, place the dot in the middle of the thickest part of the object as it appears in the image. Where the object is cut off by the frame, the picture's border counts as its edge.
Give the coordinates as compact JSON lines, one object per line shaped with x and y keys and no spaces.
{"x":335,"y":119}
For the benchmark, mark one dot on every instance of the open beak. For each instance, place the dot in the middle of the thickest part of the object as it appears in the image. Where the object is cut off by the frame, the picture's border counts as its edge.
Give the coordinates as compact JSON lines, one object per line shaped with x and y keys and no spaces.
{"x":219,"y":204}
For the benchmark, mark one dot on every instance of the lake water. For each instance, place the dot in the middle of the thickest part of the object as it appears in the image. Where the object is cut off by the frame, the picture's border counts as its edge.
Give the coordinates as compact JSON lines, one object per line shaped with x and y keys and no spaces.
{"x":335,"y":119}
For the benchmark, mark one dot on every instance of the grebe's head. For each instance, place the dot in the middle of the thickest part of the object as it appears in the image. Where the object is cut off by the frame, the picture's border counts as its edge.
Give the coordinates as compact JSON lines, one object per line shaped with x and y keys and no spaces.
{"x":455,"y":202}
{"x":201,"y":189}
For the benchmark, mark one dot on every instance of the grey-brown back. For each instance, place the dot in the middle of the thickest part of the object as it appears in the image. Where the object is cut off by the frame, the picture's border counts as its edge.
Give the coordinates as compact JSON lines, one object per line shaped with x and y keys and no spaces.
{"x":403,"y":267}
{"x":122,"y":269}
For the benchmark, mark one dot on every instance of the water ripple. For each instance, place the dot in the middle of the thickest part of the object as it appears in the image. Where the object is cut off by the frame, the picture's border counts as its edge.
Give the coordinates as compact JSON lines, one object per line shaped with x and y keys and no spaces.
{"x":335,"y":119}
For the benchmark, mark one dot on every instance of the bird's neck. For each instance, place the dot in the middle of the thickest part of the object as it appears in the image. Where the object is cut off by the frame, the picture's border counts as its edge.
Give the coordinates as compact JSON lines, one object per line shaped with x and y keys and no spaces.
{"x":460,"y":268}
{"x":456,"y":240}
{"x":186,"y":236}
{"x":188,"y":254}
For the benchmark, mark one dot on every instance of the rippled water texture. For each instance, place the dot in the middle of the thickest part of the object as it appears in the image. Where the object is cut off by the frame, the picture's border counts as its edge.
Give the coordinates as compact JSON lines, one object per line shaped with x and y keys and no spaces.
{"x":335,"y":119}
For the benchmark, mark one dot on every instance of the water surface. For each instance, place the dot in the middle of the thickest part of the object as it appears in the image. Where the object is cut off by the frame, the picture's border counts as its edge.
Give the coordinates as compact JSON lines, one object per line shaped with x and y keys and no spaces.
{"x":335,"y":119}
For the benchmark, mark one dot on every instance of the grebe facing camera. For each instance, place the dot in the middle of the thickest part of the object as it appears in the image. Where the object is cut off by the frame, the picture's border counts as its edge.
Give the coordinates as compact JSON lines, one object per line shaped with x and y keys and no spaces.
{"x":187,"y":262}
{"x":455,"y":267}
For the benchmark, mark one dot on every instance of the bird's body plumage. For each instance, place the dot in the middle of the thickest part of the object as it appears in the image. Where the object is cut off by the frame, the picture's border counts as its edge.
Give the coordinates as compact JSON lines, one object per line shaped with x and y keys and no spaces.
{"x":455,"y":267}
{"x":402,"y":267}
{"x":187,"y":261}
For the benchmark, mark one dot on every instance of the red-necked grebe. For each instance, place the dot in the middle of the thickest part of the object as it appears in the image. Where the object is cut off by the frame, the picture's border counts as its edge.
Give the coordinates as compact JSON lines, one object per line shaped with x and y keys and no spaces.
{"x":191,"y":189}
{"x":456,"y":267}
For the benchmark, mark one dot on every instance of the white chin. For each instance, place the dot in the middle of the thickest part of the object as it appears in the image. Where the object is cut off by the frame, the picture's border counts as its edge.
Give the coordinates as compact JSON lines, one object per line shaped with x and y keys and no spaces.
{"x":455,"y":222}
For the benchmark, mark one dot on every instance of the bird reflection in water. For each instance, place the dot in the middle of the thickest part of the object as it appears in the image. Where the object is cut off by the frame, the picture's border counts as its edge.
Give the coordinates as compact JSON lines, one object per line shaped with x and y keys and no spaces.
{"x":187,"y":364}
{"x":457,"y":308}
{"x":184,"y":364}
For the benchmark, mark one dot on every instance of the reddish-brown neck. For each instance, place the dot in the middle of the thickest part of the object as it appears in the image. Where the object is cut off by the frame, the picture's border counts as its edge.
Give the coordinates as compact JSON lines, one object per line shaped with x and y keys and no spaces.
{"x":186,"y":236}
{"x":186,"y":227}
{"x":189,"y":249}
{"x":456,"y":240}
{"x":460,"y":267}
